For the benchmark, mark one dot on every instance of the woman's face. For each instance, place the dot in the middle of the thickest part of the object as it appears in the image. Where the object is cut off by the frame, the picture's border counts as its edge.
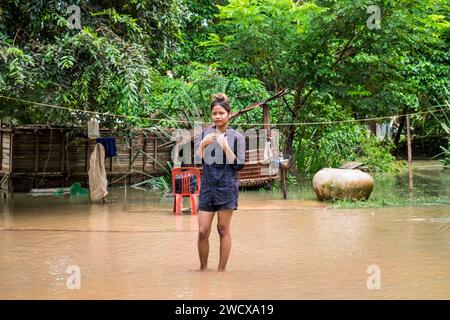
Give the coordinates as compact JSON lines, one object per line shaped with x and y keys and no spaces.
{"x":219,"y":115}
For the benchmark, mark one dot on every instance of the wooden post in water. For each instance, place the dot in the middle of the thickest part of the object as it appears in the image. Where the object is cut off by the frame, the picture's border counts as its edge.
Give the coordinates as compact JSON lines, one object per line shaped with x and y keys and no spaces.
{"x":410,"y":170}
{"x":283,"y":181}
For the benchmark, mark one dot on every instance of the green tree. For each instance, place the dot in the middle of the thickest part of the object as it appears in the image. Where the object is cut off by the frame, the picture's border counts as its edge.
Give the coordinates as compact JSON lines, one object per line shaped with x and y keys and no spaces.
{"x":107,"y":66}
{"x":325,"y":49}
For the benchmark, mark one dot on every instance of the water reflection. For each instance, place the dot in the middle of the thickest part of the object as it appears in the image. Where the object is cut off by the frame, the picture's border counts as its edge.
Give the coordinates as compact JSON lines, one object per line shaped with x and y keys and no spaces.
{"x":134,"y":247}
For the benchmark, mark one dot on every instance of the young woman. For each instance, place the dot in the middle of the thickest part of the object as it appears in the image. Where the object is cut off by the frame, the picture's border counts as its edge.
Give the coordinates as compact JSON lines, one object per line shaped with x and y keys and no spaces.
{"x":223,"y":152}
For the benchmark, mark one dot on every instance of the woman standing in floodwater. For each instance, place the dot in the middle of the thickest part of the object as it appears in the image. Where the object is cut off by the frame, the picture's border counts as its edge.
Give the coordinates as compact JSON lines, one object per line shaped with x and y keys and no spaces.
{"x":223,"y":151}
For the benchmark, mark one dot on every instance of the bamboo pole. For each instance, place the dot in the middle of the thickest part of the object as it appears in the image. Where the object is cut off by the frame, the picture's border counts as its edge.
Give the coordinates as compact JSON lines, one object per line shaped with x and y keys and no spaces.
{"x":410,"y":170}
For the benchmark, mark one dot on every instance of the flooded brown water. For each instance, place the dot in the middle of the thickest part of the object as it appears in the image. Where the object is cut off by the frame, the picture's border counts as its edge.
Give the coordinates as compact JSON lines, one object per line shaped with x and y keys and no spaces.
{"x":135,"y":248}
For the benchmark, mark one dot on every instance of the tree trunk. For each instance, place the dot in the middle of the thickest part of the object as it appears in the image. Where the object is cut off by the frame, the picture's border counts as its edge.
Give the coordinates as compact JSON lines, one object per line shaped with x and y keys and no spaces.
{"x":299,"y":103}
{"x":289,"y":142}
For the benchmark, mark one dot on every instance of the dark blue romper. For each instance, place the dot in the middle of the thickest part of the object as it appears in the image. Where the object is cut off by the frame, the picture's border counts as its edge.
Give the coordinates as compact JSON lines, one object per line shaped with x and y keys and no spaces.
{"x":219,"y":183}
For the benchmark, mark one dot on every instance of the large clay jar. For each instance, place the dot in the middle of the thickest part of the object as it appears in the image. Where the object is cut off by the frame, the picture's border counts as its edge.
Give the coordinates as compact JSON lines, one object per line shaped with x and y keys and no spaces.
{"x":332,"y":184}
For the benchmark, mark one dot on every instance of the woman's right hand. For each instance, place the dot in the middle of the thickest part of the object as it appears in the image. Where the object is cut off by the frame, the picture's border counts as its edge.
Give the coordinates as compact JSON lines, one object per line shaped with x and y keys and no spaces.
{"x":210,"y":138}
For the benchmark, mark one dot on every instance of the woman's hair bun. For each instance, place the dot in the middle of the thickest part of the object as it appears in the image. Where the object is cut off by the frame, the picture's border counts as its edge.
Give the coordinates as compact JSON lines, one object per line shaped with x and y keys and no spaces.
{"x":220,"y":97}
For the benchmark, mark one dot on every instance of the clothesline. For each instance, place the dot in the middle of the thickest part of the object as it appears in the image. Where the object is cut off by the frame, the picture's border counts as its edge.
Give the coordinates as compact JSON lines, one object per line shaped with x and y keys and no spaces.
{"x":247,"y":124}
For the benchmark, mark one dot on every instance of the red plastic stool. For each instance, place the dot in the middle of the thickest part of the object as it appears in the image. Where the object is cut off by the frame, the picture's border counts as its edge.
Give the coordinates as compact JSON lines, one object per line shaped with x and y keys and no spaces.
{"x":185,"y":173}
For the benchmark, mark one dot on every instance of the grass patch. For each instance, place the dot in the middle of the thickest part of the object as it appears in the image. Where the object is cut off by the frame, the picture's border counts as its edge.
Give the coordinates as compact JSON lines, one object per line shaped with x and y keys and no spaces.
{"x":381,"y":203}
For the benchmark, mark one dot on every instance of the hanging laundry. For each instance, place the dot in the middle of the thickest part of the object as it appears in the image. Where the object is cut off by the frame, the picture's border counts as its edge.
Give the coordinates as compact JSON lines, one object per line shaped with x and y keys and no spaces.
{"x":110,"y":146}
{"x":97,"y":174}
{"x":268,"y":153}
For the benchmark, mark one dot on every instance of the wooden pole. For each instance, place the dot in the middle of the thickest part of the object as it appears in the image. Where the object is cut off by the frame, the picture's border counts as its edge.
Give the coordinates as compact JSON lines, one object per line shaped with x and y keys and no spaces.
{"x":11,"y":164}
{"x":130,"y":161}
{"x":410,"y":170}
{"x":144,"y":155}
{"x":283,"y":180}
{"x":155,"y":152}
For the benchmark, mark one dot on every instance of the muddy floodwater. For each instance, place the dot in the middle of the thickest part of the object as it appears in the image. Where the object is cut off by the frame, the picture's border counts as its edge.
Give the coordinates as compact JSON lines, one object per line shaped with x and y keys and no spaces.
{"x":135,"y":248}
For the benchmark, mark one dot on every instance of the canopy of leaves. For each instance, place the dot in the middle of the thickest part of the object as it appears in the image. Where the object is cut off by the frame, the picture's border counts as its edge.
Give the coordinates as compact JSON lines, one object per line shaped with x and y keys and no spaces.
{"x":107,"y":66}
{"x":158,"y":62}
{"x":318,"y":47}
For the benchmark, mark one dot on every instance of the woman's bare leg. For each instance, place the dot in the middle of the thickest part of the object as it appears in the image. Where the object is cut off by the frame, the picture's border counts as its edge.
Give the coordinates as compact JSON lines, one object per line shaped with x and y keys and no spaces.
{"x":223,"y":227}
{"x":205,"y":219}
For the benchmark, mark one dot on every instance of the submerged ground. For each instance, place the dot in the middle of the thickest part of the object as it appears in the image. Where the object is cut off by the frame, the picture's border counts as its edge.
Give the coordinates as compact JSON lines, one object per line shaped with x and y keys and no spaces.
{"x":299,"y":248}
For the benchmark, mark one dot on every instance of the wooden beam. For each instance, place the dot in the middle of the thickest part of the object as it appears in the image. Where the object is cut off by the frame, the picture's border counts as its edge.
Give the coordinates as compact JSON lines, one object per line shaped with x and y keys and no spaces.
{"x":144,"y":156}
{"x":130,"y":155}
{"x":236,"y":114}
{"x":260,"y":103}
{"x":410,"y":169}
{"x":155,"y":152}
{"x":283,"y":181}
{"x":131,"y":161}
{"x":11,"y":166}
{"x":11,"y":149}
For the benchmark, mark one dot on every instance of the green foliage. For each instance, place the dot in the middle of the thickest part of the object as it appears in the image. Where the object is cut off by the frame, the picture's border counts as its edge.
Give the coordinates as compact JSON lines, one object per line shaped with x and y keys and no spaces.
{"x":319,"y":48}
{"x":160,"y":183}
{"x":283,"y":42}
{"x":381,"y":203}
{"x":187,"y":101}
{"x":107,"y":66}
{"x":157,"y":62}
{"x":329,"y":146}
{"x":292,"y":184}
{"x":442,"y":119}
{"x":198,"y":22}
{"x":446,"y":153}
{"x":445,"y":124}
{"x":377,"y":155}
{"x":332,"y":144}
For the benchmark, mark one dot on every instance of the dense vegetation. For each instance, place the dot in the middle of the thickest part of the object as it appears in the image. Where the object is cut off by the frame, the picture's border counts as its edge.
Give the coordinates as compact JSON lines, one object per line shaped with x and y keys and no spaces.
{"x":158,"y":62}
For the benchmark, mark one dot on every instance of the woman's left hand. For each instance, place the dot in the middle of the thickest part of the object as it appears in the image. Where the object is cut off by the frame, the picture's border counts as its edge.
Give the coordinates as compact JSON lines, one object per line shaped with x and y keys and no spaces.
{"x":222,"y":141}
